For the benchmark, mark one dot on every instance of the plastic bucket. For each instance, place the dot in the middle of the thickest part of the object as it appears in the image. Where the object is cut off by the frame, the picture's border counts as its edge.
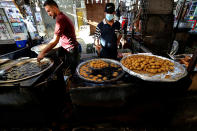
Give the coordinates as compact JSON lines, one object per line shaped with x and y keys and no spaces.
{"x":21,"y":43}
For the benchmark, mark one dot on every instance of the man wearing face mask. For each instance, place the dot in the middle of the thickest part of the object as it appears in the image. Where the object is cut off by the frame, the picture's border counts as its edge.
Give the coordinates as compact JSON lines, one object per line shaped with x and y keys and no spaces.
{"x":108,"y":34}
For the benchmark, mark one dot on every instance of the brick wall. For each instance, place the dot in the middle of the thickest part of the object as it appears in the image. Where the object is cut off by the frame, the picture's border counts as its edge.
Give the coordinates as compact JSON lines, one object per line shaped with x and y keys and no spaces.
{"x":95,"y":12}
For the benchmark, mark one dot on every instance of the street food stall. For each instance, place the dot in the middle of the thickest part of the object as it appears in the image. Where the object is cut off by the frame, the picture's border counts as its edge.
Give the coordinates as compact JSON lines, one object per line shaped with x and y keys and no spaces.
{"x":99,"y":86}
{"x":139,"y":89}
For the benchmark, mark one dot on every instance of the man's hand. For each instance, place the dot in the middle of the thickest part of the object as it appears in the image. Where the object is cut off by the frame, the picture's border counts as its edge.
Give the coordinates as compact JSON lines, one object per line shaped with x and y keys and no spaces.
{"x":40,"y":56}
{"x":98,"y":49}
{"x":51,"y":44}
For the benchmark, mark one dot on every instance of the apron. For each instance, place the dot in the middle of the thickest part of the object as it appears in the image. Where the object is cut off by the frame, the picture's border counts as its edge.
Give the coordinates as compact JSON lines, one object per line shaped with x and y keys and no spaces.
{"x":108,"y":42}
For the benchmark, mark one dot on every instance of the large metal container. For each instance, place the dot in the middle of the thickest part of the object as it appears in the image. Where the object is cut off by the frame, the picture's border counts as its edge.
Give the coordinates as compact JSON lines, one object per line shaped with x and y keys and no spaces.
{"x":21,"y":62}
{"x":37,"y":49}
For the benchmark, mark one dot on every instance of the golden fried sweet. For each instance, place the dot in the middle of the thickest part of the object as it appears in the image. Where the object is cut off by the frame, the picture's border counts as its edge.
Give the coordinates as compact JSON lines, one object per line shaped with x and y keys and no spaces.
{"x":85,"y":74}
{"x":114,"y":65}
{"x":148,"y":64}
{"x":84,"y":70}
{"x":167,"y":76}
{"x":91,"y":76}
{"x":94,"y":78}
{"x":104,"y":78}
{"x":115,"y":74}
{"x":99,"y":75}
{"x":98,"y":64}
{"x":99,"y":80}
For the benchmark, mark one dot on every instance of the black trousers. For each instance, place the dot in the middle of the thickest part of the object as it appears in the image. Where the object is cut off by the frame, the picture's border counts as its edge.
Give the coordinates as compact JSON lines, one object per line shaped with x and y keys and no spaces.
{"x":70,"y":58}
{"x":110,"y":53}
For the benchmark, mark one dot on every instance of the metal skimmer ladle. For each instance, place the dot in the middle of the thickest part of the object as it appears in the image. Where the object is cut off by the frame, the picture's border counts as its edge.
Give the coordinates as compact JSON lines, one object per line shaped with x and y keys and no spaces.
{"x":2,"y":72}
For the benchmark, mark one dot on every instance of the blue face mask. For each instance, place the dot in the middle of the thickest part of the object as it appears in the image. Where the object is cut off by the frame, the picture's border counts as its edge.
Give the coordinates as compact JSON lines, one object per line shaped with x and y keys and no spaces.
{"x":109,"y":17}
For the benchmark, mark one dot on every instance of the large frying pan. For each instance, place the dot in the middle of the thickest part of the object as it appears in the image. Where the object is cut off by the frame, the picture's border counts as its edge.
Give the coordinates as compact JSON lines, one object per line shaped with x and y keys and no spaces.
{"x":109,"y":61}
{"x":25,"y":61}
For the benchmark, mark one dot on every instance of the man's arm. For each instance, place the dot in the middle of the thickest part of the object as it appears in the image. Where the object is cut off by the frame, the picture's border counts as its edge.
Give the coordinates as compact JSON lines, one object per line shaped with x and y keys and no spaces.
{"x":97,"y":40}
{"x":118,"y":40}
{"x":50,"y":46}
{"x":120,"y":35}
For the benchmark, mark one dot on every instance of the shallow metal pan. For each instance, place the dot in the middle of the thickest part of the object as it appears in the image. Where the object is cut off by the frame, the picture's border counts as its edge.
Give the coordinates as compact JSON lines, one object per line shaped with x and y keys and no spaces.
{"x":23,"y":61}
{"x":2,"y":61}
{"x":37,"y":49}
{"x":178,"y":73}
{"x":104,"y":59}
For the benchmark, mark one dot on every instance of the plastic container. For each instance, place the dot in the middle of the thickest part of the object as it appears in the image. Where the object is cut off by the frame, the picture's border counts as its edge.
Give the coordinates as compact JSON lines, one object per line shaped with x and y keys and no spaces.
{"x":21,"y":43}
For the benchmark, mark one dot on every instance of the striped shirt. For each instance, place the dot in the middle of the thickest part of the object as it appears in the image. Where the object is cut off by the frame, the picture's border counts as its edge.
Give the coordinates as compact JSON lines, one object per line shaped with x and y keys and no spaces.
{"x":99,"y":27}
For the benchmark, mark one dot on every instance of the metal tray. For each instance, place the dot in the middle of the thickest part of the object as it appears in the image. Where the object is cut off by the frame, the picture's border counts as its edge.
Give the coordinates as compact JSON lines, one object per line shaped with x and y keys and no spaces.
{"x":2,"y":61}
{"x":10,"y":63}
{"x":37,"y":49}
{"x":23,"y":61}
{"x":180,"y":56}
{"x":179,"y":71}
{"x":106,"y":60}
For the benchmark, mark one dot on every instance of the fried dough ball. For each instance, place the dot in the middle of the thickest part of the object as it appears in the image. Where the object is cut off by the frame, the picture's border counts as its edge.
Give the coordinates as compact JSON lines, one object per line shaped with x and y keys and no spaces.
{"x":115,"y":74}
{"x":89,"y":71}
{"x":99,"y":75}
{"x":85,"y":68}
{"x":98,"y":64}
{"x":114,"y":65}
{"x":167,"y":76}
{"x":148,"y":64}
{"x":104,"y":78}
{"x":99,"y":80}
{"x":84,"y":74}
{"x":171,"y":68}
{"x":95,"y":78}
{"x":91,"y":76}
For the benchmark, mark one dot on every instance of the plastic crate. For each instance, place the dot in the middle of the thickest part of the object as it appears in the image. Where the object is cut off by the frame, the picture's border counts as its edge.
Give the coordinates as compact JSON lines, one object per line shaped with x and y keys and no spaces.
{"x":21,"y":43}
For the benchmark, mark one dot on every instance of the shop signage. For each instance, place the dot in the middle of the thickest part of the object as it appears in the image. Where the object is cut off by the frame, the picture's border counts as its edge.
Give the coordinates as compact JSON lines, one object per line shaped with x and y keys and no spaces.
{"x":194,"y":24}
{"x":85,"y":29}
